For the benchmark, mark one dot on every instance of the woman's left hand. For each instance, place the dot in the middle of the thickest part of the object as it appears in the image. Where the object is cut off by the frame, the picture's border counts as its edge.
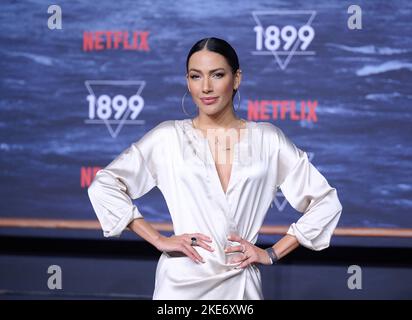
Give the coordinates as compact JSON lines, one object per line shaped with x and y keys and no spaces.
{"x":251,"y":253}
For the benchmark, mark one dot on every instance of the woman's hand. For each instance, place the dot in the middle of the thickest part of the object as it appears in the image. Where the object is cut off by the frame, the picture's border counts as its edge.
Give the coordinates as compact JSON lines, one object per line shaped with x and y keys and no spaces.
{"x":183,"y":244}
{"x":251,"y":253}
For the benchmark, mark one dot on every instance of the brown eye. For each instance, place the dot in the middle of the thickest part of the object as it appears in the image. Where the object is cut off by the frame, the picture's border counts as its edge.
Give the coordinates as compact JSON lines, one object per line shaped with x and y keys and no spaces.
{"x":219,"y":75}
{"x":193,"y":76}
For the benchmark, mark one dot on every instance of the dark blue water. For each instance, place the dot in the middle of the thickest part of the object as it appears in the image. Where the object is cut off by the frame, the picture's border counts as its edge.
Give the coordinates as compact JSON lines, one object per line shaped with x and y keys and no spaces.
{"x":360,"y":78}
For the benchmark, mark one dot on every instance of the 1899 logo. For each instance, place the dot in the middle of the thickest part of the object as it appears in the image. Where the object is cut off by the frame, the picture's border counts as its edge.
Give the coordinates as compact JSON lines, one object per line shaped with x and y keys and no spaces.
{"x":104,"y":107}
{"x":114,"y":103}
{"x":283,"y":34}
{"x":272,"y":37}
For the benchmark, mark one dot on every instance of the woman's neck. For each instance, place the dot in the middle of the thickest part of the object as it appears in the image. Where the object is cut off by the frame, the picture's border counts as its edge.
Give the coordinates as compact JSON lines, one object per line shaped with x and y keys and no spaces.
{"x":226,"y":120}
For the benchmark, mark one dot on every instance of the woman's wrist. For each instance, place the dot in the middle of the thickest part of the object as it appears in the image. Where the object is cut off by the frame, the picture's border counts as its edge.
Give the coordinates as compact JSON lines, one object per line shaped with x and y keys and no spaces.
{"x":272,"y":255}
{"x":158,"y":242}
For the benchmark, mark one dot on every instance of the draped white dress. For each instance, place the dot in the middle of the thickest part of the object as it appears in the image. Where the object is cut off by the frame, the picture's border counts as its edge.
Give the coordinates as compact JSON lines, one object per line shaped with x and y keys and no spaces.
{"x":176,"y":157}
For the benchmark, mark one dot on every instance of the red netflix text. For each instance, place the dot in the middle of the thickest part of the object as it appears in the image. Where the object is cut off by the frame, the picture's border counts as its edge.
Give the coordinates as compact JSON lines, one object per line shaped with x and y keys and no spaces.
{"x":87,"y":175}
{"x":115,"y":40}
{"x":282,"y":110}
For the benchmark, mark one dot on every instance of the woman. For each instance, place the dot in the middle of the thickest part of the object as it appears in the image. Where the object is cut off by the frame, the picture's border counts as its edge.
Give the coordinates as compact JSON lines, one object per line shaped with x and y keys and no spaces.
{"x":218,"y":174}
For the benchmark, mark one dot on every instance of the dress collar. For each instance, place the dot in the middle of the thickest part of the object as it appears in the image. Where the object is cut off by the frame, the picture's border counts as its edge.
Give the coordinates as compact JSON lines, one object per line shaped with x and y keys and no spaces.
{"x":242,"y":148}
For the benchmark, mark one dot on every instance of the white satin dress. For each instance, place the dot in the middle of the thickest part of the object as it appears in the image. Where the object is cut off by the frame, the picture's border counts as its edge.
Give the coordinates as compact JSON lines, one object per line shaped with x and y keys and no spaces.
{"x":176,"y":157}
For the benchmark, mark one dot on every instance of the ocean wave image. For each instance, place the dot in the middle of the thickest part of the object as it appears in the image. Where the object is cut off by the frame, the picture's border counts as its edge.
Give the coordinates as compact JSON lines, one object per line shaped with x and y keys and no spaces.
{"x":74,"y":98}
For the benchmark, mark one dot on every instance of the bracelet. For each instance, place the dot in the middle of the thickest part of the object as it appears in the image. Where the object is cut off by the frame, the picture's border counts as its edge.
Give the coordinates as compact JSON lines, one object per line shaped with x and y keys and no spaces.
{"x":272,"y":255}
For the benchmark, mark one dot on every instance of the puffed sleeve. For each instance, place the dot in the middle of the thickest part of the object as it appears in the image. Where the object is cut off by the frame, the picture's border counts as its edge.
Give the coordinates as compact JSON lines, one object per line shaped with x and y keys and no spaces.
{"x":307,"y":191}
{"x":127,"y":177}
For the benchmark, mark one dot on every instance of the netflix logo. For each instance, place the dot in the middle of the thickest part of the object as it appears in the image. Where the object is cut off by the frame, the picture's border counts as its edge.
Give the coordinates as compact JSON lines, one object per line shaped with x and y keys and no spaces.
{"x":282,"y":110}
{"x":115,"y":40}
{"x":87,"y":175}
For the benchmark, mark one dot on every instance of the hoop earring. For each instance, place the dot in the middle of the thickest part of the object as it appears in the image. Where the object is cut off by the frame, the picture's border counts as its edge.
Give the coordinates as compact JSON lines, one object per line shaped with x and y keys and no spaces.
{"x":183,"y":106}
{"x":238,"y":100}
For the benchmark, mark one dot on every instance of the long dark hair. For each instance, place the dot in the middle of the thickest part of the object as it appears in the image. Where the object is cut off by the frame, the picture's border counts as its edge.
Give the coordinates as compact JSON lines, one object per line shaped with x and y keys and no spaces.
{"x":219,"y":46}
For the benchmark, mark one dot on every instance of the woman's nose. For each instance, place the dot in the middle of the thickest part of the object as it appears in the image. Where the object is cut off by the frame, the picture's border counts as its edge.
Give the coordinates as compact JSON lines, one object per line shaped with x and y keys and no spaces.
{"x":206,"y":86}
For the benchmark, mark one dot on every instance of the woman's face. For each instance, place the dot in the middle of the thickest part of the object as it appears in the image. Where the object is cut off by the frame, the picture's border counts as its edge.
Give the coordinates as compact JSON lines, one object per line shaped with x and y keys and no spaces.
{"x":210,"y":76}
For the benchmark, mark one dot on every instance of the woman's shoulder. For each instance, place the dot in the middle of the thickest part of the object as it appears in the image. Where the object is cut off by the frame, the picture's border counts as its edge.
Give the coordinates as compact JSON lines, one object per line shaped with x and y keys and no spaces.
{"x":269,"y":129}
{"x":157,"y":134}
{"x":273,"y":136}
{"x":163,"y":127}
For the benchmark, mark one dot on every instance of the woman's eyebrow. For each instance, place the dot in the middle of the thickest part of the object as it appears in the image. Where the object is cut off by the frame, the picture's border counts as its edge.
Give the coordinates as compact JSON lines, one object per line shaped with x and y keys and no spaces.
{"x":211,"y":71}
